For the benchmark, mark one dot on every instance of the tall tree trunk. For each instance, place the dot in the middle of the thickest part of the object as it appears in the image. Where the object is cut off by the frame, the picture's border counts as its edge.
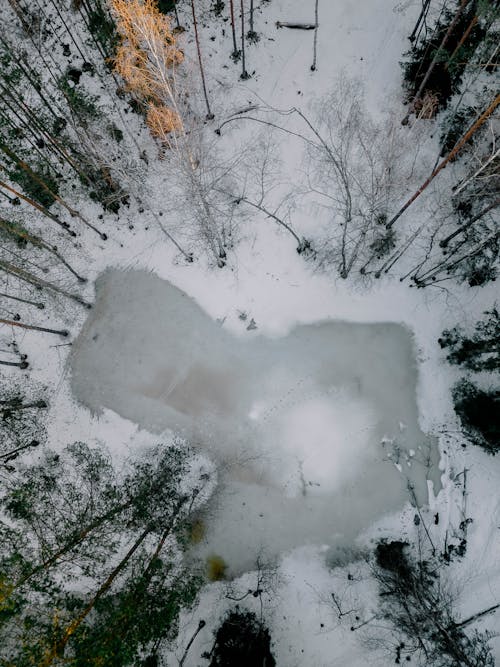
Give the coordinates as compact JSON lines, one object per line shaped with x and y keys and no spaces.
{"x":315,"y":42}
{"x":244,"y":74}
{"x":444,"y":242}
{"x":58,"y":649}
{"x":38,"y":207}
{"x":32,"y":279}
{"x":235,"y":53}
{"x":462,"y":41}
{"x":74,"y":213}
{"x":421,"y":19}
{"x":33,"y":327}
{"x":210,"y":115}
{"x":40,"y":243}
{"x":431,"y":275}
{"x":38,"y":304}
{"x":176,"y":13}
{"x":430,"y":69}
{"x":76,"y":541}
{"x":459,"y":145}
{"x":458,"y":188}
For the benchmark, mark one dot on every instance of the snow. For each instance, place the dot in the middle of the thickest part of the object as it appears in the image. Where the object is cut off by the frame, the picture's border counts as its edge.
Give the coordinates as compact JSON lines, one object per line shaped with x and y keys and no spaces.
{"x":287,"y":297}
{"x":307,"y":427}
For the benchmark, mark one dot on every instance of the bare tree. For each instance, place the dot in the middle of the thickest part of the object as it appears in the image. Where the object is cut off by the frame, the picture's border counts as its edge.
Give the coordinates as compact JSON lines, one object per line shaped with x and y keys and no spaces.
{"x":419,"y":602}
{"x":198,"y":181}
{"x":355,"y":169}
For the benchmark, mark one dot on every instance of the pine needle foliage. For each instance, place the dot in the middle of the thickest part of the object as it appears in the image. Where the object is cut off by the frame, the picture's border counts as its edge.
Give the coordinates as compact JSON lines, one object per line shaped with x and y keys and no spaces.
{"x":479,"y":351}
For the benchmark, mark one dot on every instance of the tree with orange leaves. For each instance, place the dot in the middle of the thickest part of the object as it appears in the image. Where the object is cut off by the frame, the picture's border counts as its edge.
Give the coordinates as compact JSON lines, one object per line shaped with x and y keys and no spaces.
{"x":146,"y":59}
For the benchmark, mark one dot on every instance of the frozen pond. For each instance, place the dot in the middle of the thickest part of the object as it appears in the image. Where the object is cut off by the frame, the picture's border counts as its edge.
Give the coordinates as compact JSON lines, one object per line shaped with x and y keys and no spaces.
{"x":306,"y":427}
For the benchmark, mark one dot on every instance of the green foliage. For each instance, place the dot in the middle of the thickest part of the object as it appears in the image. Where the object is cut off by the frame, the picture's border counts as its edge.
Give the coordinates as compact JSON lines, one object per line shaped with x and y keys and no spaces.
{"x":9,"y":73}
{"x":80,"y":102}
{"x":154,"y":485}
{"x":481,"y":266}
{"x":14,"y":233}
{"x":102,"y":27}
{"x":103,"y":188}
{"x":392,"y":556}
{"x":144,"y":610}
{"x":479,"y":413}
{"x":242,"y":640}
{"x":166,"y":6}
{"x":383,"y":242}
{"x":479,"y":351}
{"x":446,"y":75}
{"x":32,"y":187}
{"x":85,"y":479}
{"x":217,"y":7}
{"x":481,"y":270}
{"x":70,"y":516}
{"x":454,"y":127}
{"x":115,"y":132}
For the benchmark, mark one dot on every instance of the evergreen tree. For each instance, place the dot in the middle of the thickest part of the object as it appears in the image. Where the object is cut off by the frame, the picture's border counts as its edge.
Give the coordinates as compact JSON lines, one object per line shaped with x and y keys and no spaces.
{"x":479,"y":413}
{"x":479,"y":351}
{"x":71,"y":519}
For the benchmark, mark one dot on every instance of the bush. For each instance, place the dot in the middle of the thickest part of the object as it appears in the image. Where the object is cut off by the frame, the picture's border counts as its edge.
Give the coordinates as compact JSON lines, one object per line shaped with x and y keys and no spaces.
{"x":479,"y":351}
{"x":479,"y":414}
{"x":454,"y":126}
{"x":32,"y":188}
{"x":391,"y":556}
{"x":417,"y":604}
{"x":13,"y":231}
{"x":166,"y":6}
{"x":242,"y":641}
{"x":447,"y":73}
{"x":103,"y":28}
{"x":80,"y":102}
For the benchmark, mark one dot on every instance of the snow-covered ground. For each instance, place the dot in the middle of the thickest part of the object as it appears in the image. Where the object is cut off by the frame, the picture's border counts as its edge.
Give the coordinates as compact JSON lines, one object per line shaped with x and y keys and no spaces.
{"x":270,"y":283}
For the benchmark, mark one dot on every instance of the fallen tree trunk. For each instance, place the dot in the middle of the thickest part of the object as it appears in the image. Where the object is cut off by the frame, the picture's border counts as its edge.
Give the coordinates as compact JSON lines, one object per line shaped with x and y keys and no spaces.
{"x":296,"y":26}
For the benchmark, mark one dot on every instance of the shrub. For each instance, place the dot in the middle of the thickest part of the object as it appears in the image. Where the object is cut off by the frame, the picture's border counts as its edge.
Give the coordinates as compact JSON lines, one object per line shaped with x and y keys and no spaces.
{"x":416,"y":602}
{"x":243,"y":641}
{"x":446,"y":75}
{"x":481,"y":350}
{"x":479,"y":414}
{"x":78,"y":101}
{"x":32,"y":187}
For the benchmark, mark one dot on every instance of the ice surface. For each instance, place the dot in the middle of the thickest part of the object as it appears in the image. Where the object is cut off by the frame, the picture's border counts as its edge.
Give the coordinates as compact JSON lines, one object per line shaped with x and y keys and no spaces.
{"x":306,"y":428}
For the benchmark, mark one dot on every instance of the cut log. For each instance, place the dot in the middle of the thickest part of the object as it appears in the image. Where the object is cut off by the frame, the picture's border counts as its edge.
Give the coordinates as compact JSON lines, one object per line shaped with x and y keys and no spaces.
{"x":296,"y":26}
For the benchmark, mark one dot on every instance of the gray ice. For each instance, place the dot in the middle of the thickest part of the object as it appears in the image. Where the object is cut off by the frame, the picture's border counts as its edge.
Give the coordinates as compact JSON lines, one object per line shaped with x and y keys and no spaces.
{"x":315,"y":434}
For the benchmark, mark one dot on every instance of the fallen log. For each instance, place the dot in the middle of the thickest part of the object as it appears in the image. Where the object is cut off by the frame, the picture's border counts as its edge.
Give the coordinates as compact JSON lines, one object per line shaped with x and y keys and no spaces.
{"x":295,"y":26}
{"x":32,"y":327}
